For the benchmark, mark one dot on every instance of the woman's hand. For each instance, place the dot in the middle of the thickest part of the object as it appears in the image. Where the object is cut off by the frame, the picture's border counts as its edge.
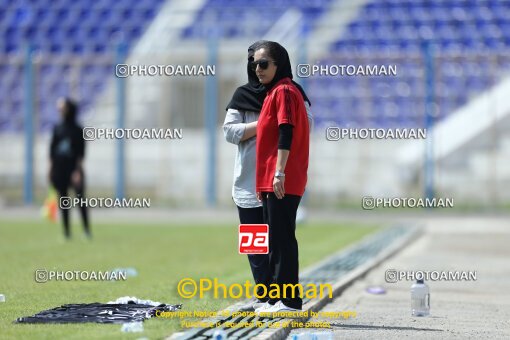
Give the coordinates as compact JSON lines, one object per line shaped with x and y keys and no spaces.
{"x":76,"y":177}
{"x":50,"y":173}
{"x":279,"y":187}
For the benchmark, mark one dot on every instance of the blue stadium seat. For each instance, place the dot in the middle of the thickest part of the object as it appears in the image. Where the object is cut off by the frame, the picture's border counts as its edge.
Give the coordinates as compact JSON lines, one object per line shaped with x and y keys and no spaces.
{"x":221,"y":13}
{"x":64,"y":28}
{"x":395,"y":27}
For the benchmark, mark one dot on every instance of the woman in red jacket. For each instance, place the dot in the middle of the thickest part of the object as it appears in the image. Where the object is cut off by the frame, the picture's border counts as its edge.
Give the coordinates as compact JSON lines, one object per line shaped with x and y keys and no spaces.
{"x":281,"y":168}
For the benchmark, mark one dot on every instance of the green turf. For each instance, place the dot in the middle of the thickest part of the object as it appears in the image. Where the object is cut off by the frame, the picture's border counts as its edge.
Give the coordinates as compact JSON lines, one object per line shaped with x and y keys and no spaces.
{"x":162,"y":254}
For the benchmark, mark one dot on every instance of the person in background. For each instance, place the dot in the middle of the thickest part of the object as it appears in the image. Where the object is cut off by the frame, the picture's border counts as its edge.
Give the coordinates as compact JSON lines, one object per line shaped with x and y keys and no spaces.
{"x":240,"y":128}
{"x":281,"y":170}
{"x":67,"y":151}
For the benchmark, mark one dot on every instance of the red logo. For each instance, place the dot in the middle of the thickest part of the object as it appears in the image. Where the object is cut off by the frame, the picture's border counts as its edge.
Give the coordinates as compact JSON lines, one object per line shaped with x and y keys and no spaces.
{"x":253,"y":239}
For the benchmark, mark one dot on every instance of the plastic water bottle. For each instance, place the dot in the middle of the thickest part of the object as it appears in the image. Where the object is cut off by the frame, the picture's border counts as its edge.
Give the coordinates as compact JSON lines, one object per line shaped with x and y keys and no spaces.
{"x":322,"y":336}
{"x":2,"y":298}
{"x":132,"y":327}
{"x":219,"y":334}
{"x":313,"y":336}
{"x":420,"y":299}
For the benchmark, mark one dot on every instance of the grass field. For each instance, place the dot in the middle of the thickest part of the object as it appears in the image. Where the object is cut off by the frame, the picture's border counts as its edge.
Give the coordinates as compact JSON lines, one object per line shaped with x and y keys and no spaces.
{"x":162,"y":254}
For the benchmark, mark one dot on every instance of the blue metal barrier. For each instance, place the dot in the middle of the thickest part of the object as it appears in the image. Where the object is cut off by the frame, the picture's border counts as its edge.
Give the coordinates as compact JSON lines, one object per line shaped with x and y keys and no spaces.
{"x":28,"y":183}
{"x":429,"y":165}
{"x":120,"y":177}
{"x":211,"y":114}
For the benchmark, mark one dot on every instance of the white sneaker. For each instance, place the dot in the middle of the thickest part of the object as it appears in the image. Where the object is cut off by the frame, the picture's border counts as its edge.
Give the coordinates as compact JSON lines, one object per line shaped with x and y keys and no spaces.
{"x":278,"y":307}
{"x":251,"y":306}
{"x":262,"y":308}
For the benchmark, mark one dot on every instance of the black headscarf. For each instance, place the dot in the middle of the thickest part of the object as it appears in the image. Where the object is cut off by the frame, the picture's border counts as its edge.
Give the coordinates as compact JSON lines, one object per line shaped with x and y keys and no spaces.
{"x":250,"y":96}
{"x":284,"y":69}
{"x":70,"y":111}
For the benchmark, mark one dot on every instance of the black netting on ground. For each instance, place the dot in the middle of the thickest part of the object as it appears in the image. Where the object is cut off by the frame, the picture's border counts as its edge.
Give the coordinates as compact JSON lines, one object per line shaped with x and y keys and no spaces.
{"x":98,"y":312}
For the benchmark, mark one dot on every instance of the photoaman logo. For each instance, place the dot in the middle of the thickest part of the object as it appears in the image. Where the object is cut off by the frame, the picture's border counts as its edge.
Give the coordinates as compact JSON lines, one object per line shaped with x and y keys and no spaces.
{"x":189,"y":288}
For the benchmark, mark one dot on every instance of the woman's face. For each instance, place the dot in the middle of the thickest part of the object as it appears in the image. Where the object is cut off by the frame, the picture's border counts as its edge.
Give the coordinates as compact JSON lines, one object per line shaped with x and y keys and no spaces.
{"x":261,"y":58}
{"x":61,"y":106}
